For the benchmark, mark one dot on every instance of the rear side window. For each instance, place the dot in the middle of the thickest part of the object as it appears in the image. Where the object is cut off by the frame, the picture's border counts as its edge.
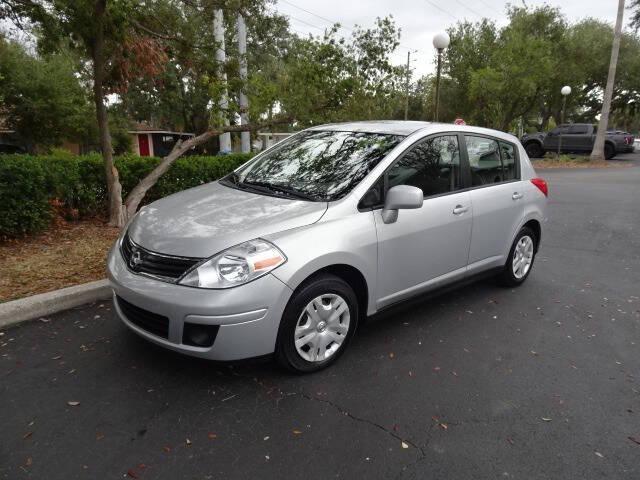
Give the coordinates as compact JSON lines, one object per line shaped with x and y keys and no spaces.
{"x":490,"y":160}
{"x":432,"y":165}
{"x":484,"y":160}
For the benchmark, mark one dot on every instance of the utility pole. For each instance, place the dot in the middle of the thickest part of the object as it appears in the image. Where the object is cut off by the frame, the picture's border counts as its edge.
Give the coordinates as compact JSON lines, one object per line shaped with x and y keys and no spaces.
{"x":598,"y":146}
{"x":245,"y":137}
{"x":406,"y":87}
{"x":221,"y":59}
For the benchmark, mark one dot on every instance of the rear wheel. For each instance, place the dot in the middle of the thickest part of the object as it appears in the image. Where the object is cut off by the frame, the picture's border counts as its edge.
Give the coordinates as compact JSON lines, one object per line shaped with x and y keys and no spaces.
{"x":520,"y":260}
{"x":317,"y":324}
{"x":609,"y":151}
{"x":534,"y":150}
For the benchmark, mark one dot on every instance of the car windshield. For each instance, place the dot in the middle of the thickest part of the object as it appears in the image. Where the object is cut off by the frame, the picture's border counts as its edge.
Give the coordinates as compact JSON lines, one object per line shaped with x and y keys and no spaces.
{"x":315,"y":165}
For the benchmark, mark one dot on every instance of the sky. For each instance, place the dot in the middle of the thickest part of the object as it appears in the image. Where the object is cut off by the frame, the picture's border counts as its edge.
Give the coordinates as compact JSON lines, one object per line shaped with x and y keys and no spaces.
{"x":420,"y":20}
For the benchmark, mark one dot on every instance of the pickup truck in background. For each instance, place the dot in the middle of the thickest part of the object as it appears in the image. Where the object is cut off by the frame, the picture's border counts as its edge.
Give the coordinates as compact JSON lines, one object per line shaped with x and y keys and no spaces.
{"x":576,"y":138}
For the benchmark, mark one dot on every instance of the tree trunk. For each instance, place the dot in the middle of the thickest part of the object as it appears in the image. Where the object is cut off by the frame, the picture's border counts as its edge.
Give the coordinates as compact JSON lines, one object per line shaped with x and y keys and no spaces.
{"x":117,"y":216}
{"x":136,"y":195}
{"x":245,"y":137}
{"x":140,"y":190}
{"x":598,"y":147}
{"x":221,"y":59}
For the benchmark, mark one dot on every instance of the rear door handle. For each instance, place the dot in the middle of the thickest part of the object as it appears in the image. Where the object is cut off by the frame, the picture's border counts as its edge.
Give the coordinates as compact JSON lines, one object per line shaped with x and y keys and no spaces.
{"x":517,"y":196}
{"x":459,"y":210}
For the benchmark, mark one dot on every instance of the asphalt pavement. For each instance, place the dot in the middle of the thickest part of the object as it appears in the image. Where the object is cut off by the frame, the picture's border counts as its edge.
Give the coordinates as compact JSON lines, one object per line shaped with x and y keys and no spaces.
{"x":540,"y":382}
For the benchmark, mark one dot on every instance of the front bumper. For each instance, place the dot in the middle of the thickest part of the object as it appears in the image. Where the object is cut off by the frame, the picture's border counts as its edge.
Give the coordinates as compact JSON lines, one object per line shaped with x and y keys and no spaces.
{"x":248,"y":316}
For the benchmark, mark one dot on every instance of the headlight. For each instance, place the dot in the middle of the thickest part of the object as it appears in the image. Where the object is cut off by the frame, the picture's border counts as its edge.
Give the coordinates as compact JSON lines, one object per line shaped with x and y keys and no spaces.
{"x":236,"y":265}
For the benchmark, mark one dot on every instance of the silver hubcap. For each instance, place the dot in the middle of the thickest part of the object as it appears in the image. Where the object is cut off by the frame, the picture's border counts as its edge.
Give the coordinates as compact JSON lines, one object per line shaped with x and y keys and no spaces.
{"x":322,"y":327}
{"x":522,"y":257}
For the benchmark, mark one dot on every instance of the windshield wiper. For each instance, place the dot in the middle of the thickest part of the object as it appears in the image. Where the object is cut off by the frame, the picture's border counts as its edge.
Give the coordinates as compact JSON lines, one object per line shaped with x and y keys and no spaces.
{"x":270,"y":188}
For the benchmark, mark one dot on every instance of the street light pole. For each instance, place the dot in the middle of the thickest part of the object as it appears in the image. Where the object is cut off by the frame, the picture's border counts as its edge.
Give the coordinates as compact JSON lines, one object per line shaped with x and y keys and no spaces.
{"x":406,"y":87}
{"x":566,"y":90}
{"x":435,"y":116}
{"x":440,"y":42}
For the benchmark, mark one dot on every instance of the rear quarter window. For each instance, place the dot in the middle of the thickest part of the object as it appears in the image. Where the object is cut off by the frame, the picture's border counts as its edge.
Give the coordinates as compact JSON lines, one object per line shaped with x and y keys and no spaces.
{"x":509,"y":161}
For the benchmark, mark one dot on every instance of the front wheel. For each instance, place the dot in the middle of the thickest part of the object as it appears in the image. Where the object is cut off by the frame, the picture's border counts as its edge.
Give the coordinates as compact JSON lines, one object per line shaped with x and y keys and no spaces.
{"x":520,"y":259}
{"x":317,"y":324}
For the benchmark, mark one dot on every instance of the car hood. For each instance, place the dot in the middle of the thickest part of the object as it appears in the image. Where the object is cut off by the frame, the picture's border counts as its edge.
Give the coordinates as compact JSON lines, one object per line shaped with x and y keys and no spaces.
{"x":202,"y":221}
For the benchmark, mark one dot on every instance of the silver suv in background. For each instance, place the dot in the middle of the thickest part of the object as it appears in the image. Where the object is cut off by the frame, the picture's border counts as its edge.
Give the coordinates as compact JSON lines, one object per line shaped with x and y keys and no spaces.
{"x":289,"y":252}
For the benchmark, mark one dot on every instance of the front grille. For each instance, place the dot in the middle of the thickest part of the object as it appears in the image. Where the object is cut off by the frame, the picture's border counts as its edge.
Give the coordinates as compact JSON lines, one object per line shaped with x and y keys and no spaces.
{"x":164,"y":267}
{"x":149,"y":321}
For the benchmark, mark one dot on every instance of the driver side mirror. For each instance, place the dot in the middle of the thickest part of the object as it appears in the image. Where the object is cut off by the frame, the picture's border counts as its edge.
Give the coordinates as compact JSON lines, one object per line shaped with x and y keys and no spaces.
{"x":401,"y":197}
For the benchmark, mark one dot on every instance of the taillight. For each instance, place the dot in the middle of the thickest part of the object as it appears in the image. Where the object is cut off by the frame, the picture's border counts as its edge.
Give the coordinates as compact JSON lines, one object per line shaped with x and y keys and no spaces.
{"x":542,"y":185}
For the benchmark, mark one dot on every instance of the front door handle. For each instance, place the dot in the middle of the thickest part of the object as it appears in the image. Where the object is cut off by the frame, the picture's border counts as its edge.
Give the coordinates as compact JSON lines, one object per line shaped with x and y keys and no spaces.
{"x":459,"y":210}
{"x":517,"y":196}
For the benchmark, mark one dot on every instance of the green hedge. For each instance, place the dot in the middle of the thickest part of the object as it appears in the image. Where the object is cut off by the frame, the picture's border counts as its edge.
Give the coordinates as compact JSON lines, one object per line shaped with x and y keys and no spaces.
{"x":30,"y":185}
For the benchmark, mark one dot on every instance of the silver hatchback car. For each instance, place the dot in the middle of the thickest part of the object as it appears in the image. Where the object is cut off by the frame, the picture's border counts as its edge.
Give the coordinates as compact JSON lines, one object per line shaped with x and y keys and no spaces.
{"x":290,"y":251}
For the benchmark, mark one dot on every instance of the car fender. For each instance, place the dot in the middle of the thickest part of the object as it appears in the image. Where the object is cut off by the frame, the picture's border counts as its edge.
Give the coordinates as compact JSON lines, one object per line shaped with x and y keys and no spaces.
{"x":350,"y":241}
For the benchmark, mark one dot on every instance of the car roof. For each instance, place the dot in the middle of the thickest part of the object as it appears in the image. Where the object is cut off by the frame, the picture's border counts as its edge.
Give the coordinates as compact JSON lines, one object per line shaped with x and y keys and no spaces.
{"x":407,"y":127}
{"x":394,"y":127}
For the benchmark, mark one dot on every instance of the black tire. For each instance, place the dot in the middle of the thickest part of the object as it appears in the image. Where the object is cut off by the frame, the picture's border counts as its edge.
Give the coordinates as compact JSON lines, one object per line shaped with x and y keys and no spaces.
{"x":287,"y":354}
{"x":534,"y":150}
{"x":508,"y":277}
{"x":609,"y":151}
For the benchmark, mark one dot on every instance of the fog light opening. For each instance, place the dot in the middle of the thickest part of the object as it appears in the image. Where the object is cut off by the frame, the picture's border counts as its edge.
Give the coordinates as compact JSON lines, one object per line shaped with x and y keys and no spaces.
{"x":197,"y":335}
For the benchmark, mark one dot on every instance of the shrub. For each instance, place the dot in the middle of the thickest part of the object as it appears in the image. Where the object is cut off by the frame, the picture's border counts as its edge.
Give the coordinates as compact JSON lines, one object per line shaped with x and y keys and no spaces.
{"x":24,"y":201}
{"x":30,"y":184}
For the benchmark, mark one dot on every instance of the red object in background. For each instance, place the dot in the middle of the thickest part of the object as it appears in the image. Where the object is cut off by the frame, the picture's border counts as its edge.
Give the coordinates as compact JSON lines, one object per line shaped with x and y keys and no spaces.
{"x":459,"y":121}
{"x":542,"y":185}
{"x":143,"y":144}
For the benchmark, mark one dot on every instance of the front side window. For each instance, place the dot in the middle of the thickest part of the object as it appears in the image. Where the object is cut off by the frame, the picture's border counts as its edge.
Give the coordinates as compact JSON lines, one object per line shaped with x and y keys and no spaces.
{"x":577,"y":130}
{"x":433,"y":166}
{"x":316,"y":165}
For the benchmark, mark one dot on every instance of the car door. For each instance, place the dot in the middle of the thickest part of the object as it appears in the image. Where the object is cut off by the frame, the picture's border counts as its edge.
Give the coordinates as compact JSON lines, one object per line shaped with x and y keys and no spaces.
{"x":497,"y":198}
{"x":553,"y":138}
{"x":428,"y":246}
{"x":577,"y":138}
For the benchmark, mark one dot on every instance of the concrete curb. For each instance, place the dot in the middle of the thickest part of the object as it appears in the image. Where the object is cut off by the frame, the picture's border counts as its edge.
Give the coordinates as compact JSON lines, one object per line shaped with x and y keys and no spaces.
{"x":24,"y":309}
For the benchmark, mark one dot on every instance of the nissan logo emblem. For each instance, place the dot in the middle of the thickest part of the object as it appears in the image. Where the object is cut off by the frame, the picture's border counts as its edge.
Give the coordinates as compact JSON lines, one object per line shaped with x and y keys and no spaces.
{"x":136,"y":258}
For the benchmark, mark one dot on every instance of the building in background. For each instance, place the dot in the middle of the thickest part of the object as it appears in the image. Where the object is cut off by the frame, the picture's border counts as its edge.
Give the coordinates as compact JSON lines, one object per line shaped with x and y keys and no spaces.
{"x":149,"y":141}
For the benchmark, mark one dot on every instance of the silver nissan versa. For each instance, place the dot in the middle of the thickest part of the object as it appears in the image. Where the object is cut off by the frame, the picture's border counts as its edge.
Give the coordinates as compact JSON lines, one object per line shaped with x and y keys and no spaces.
{"x":290,"y":251}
